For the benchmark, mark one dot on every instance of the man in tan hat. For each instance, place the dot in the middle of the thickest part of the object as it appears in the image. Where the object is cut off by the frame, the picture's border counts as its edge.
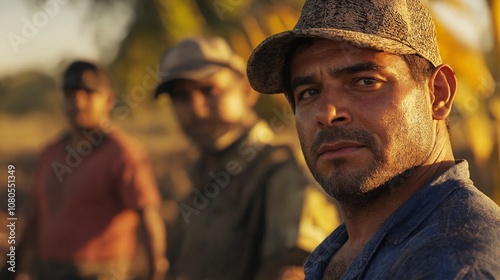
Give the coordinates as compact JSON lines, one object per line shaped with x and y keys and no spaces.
{"x":371,"y":99}
{"x":250,"y":212}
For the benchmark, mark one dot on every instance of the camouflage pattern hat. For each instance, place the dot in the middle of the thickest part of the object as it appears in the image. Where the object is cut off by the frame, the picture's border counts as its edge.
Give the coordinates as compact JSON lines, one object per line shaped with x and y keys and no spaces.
{"x":393,"y":26}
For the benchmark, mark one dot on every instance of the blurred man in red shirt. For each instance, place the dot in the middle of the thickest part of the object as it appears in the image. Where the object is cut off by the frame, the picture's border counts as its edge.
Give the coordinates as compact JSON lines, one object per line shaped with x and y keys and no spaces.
{"x":94,"y":188}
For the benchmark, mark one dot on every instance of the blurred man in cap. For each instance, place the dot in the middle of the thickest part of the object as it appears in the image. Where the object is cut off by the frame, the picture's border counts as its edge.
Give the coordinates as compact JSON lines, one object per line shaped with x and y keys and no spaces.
{"x":252,"y":212}
{"x":94,"y":188}
{"x":371,"y":98}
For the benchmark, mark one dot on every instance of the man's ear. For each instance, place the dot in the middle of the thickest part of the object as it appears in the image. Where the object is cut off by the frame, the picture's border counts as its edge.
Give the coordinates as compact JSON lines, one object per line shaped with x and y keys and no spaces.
{"x":443,"y":86}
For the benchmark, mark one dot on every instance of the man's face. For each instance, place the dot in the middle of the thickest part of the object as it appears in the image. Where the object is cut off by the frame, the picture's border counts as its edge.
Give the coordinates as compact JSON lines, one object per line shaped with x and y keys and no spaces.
{"x":87,"y":103}
{"x":211,"y":107}
{"x":361,"y":118}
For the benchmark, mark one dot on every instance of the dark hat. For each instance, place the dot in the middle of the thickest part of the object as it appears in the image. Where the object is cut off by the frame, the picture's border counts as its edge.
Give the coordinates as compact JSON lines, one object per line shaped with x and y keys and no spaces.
{"x":393,"y":26}
{"x":197,"y":58}
{"x":85,"y":75}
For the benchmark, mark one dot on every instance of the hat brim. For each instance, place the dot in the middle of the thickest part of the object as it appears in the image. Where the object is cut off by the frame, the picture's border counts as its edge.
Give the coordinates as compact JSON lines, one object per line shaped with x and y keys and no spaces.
{"x":265,"y":68}
{"x":194,"y":73}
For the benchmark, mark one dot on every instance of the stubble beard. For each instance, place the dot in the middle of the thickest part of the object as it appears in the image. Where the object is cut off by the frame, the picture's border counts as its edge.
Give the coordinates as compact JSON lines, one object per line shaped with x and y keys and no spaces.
{"x":358,"y":189}
{"x":361,"y":188}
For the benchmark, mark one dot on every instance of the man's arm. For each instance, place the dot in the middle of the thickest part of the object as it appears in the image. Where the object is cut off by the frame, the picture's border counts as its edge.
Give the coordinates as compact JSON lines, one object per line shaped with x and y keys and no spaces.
{"x":137,"y":187}
{"x":154,"y":234}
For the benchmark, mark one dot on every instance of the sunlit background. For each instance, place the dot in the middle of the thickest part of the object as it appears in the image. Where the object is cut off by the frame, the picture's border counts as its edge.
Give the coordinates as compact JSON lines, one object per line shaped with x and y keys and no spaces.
{"x":39,"y":38}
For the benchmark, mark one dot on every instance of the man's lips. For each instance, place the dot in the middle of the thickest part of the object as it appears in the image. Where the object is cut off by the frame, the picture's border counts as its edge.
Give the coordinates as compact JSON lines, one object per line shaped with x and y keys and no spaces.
{"x":338,"y":149}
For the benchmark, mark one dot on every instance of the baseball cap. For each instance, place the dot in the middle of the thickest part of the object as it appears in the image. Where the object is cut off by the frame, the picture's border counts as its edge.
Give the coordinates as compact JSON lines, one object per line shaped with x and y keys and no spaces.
{"x":85,"y":75}
{"x":393,"y":26}
{"x":196,"y":58}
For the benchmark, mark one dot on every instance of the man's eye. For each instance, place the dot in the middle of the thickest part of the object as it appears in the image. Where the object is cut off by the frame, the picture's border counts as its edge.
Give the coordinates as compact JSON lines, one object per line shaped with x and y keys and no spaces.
{"x":207,"y":90}
{"x":366,"y":82}
{"x":90,"y":90}
{"x":307,"y":93}
{"x":68,"y":92}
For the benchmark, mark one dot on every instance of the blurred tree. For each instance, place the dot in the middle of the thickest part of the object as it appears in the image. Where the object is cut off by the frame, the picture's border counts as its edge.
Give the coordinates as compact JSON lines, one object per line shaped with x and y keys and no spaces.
{"x":161,"y":23}
{"x":244,"y":23}
{"x":27,"y":92}
{"x":135,"y":67}
{"x":475,"y":121}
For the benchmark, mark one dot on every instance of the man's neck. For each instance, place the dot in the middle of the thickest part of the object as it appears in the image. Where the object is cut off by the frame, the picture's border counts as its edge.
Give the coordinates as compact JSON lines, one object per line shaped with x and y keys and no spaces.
{"x":76,"y":135}
{"x":229,"y":138}
{"x":363,"y":222}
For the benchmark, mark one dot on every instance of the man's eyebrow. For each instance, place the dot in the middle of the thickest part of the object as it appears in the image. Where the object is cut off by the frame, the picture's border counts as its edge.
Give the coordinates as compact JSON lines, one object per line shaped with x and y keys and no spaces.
{"x":361,"y":67}
{"x":301,"y":81}
{"x":335,"y":73}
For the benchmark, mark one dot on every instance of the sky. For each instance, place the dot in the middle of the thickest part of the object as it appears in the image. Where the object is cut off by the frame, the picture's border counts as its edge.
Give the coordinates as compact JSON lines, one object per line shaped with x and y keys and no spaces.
{"x":40,"y":36}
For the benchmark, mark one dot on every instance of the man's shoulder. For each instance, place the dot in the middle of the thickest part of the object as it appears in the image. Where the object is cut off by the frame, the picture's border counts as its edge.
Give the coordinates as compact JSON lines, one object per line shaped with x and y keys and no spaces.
{"x":54,"y":145}
{"x":460,"y":238}
{"x":463,"y":255}
{"x":258,"y":152}
{"x":121,"y":143}
{"x":468,"y":209}
{"x":466,"y":219}
{"x":114,"y":141}
{"x":279,"y":163}
{"x":276,"y":153}
{"x":452,"y":206}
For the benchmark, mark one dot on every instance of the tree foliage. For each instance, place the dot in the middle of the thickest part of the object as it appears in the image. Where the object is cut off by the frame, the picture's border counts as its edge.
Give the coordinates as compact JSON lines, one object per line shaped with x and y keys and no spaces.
{"x":475,"y":120}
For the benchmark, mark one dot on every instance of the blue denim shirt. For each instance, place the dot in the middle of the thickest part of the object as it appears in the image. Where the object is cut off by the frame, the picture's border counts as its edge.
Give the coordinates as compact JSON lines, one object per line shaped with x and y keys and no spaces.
{"x":447,"y":230}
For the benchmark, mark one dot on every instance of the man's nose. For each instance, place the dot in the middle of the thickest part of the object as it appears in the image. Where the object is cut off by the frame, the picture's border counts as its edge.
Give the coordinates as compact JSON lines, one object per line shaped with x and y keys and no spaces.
{"x":333,"y":109}
{"x":200,"y":104}
{"x":81,"y":99}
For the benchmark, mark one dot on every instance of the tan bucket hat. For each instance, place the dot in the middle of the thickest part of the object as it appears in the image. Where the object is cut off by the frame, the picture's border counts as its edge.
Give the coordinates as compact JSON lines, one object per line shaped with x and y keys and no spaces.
{"x":393,"y":26}
{"x":196,"y":58}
